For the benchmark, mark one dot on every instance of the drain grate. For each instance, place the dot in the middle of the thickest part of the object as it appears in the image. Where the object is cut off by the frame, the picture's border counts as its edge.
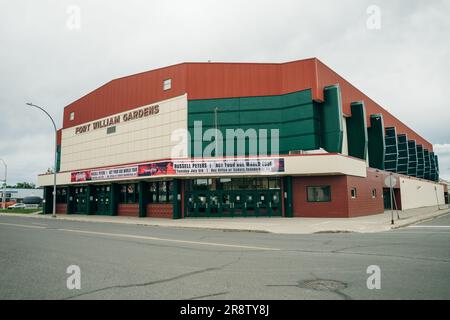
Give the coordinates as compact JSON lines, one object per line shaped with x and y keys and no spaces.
{"x":323,"y":285}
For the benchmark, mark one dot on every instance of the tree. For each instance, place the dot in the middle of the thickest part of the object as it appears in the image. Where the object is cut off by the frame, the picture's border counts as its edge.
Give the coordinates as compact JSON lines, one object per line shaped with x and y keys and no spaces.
{"x":23,"y":185}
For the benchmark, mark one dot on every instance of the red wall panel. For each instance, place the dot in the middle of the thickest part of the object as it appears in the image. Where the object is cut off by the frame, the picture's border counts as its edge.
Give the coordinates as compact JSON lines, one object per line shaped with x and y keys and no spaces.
{"x":341,"y":204}
{"x":160,"y":210}
{"x":364,"y":204}
{"x":222,"y":80}
{"x":61,"y":208}
{"x":128,"y":210}
{"x":58,"y":137}
{"x":350,"y":94}
{"x":126,"y":93}
{"x":337,"y":208}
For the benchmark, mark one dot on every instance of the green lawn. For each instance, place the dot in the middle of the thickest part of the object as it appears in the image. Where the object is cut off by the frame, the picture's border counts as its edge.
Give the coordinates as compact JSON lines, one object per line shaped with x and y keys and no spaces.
{"x":20,"y":211}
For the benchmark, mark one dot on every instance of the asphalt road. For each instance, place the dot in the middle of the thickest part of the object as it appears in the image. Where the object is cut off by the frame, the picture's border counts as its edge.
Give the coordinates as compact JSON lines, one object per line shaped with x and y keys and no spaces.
{"x":137,"y":262}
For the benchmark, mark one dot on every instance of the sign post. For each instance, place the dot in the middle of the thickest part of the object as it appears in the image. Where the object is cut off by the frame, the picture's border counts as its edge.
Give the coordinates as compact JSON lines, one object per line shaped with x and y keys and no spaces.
{"x":390,"y":182}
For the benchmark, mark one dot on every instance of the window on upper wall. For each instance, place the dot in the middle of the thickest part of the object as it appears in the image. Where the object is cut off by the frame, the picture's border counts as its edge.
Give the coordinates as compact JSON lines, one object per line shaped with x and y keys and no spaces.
{"x":111,"y":130}
{"x":167,"y":84}
{"x":374,"y":193}
{"x":319,"y":194}
{"x":72,"y":116}
{"x":353,"y":193}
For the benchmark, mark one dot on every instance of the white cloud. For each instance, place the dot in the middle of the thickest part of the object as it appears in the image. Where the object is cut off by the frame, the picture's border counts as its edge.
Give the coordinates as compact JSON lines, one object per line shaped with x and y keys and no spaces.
{"x":443,"y":152}
{"x":404,"y":66}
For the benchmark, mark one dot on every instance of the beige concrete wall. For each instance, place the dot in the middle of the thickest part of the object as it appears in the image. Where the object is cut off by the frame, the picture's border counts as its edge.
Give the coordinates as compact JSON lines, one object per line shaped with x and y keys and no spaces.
{"x":138,"y":140}
{"x":345,"y":137}
{"x":62,"y":178}
{"x":325,"y":164}
{"x":419,"y":193}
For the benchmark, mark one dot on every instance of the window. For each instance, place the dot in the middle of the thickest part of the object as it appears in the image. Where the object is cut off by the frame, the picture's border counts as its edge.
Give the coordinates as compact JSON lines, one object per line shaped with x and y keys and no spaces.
{"x":161,"y":192}
{"x":72,"y":116}
{"x":353,"y":193}
{"x":167,"y":84}
{"x":154,"y":192}
{"x":374,"y":193}
{"x":319,"y":194}
{"x":129,"y":193}
{"x":111,"y":130}
{"x":61,"y":195}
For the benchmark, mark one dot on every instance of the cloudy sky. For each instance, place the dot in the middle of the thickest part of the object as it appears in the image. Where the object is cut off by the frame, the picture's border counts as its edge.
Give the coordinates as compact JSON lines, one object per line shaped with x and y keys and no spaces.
{"x":46,"y":59}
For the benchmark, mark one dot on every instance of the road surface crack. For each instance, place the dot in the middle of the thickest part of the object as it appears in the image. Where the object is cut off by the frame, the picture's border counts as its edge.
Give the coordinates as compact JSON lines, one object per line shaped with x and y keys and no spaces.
{"x":150,"y":283}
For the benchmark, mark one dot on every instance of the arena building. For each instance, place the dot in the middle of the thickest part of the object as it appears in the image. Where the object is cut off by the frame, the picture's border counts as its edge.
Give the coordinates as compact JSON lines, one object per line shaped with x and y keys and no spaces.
{"x":313,"y":146}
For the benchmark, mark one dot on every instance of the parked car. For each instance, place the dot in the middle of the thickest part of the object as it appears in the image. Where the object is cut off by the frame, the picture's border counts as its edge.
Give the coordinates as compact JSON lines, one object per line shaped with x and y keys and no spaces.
{"x":17,"y":206}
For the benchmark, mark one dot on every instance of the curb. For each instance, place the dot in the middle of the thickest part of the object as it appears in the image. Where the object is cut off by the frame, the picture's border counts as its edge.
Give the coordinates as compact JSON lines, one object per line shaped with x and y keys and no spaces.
{"x":403,"y":224}
{"x":417,"y":220}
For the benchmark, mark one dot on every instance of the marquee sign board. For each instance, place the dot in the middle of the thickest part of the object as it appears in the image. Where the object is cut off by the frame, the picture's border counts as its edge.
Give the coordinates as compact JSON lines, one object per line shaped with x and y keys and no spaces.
{"x":182,"y":167}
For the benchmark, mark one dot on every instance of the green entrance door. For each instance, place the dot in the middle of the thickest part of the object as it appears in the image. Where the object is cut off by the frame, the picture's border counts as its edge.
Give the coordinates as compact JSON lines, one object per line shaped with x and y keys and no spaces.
{"x":275,"y":202}
{"x":238,"y":203}
{"x":262,"y":204}
{"x":198,"y":204}
{"x":80,"y":200}
{"x":226,"y":204}
{"x":102,"y":196}
{"x":250,"y":203}
{"x":230,"y":198}
{"x":214,"y":206}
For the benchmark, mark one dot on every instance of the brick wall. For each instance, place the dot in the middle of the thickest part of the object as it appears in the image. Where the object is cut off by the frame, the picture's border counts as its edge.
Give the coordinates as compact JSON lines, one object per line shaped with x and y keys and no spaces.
{"x":160,"y":210}
{"x":364,"y":204}
{"x":336,"y":208}
{"x":341,"y":205}
{"x":61,"y":208}
{"x":128,"y":210}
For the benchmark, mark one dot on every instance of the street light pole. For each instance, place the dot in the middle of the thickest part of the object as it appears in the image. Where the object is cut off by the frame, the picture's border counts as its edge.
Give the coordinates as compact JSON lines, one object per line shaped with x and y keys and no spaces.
{"x":56,"y":151}
{"x":4,"y":184}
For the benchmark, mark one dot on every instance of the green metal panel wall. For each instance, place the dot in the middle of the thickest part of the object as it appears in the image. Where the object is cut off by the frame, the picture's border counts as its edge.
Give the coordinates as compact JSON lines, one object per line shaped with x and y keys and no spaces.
{"x":58,"y":158}
{"x":144,"y":196}
{"x":48,"y":197}
{"x":115,"y":193}
{"x":436,"y":162}
{"x":403,"y":154}
{"x":432,"y":167}
{"x":70,"y":192}
{"x":331,"y":120}
{"x":412,"y":160}
{"x":420,"y":162}
{"x":377,"y":147}
{"x":427,"y":169}
{"x":357,"y":136}
{"x":177,"y":214}
{"x":89,"y":200}
{"x":391,"y":156}
{"x":287,"y":183}
{"x":294,"y":115}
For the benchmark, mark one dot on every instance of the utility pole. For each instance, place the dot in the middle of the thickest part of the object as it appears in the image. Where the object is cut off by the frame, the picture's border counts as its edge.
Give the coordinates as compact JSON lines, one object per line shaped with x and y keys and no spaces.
{"x":56,"y":157}
{"x":4,"y":184}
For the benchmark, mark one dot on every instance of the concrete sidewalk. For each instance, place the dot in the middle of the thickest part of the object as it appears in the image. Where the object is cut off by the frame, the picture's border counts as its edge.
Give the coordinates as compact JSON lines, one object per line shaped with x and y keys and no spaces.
{"x":368,"y":224}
